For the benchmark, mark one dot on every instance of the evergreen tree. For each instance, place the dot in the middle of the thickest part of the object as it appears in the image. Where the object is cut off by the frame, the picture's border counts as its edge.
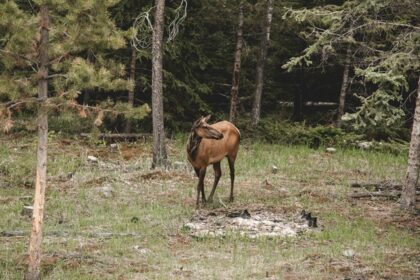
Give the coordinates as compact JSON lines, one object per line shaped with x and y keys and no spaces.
{"x":54,"y":65}
{"x":237,"y":65}
{"x":408,"y":195}
{"x":256,"y":106}
{"x":159,"y":147}
{"x":357,"y":27}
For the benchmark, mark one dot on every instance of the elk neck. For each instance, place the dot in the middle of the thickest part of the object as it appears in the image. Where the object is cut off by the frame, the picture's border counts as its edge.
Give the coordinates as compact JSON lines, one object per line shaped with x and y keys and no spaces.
{"x":192,"y":145}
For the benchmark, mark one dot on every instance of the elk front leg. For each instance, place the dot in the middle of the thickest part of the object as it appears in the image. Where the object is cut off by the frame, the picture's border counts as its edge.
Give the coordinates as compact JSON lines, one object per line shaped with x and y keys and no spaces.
{"x":200,"y":187}
{"x":217,"y":175}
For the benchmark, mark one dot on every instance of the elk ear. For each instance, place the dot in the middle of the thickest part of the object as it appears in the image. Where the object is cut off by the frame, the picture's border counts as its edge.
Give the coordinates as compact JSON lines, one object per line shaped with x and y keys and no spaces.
{"x":206,"y":119}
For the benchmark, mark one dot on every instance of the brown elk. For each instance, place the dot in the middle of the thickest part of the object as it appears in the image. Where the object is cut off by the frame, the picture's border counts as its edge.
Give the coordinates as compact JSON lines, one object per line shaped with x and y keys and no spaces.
{"x":209,"y":144}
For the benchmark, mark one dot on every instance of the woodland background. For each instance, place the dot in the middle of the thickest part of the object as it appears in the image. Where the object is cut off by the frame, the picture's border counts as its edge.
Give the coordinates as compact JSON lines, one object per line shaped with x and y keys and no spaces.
{"x":323,"y":92}
{"x":306,"y":58}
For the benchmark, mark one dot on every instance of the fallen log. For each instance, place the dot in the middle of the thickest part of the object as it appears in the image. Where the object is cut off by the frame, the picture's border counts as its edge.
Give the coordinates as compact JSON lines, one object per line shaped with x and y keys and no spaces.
{"x":395,"y":194}
{"x":380,"y":186}
{"x":309,"y":104}
{"x":375,"y":194}
{"x":21,"y":233}
{"x":115,"y":137}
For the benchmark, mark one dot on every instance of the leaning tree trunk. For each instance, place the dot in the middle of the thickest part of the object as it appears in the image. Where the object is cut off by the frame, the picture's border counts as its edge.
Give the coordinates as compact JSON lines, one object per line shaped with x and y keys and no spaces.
{"x":41,"y":169}
{"x":408,"y":195}
{"x":159,"y":149}
{"x":127,"y":128}
{"x":237,"y":66}
{"x":344,"y":87}
{"x":256,"y":106}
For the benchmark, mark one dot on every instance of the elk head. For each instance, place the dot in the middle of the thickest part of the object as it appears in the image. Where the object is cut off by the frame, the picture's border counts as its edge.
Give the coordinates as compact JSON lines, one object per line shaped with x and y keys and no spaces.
{"x":203,"y":130}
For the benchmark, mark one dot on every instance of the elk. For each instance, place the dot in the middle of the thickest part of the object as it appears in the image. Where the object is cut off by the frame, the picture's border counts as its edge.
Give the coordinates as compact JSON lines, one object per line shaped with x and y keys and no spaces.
{"x":209,"y":144}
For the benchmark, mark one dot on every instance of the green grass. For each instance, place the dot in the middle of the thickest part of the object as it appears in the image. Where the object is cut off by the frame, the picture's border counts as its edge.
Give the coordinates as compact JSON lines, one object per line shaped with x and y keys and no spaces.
{"x":146,"y":216}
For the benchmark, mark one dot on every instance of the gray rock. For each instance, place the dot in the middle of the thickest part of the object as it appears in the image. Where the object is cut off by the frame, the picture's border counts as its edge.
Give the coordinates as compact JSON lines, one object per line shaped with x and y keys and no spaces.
{"x":349,"y":253}
{"x":331,"y":150}
{"x":92,"y":159}
{"x":142,"y":251}
{"x":274,"y":169}
{"x":27,"y":211}
{"x":366,"y":145}
{"x":179,"y":165}
{"x":106,"y":190}
{"x":114,"y":147}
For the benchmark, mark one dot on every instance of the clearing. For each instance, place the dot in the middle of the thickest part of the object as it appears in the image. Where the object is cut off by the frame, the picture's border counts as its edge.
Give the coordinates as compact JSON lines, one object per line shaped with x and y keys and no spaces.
{"x":114,"y":218}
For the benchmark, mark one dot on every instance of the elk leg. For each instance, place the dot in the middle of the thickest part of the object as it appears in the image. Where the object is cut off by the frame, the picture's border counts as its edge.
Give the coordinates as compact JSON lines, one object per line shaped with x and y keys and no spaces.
{"x":200,"y":187}
{"x":232,"y":177}
{"x":217,"y":175}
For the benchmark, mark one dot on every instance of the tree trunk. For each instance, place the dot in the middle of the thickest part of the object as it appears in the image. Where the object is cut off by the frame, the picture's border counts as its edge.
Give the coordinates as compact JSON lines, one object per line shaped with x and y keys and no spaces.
{"x":159,"y":149}
{"x":298,"y":98}
{"x":297,"y":106}
{"x":127,"y":128}
{"x":237,"y":66}
{"x":408,"y":195}
{"x":256,"y":106}
{"x":41,"y":170}
{"x":344,"y":87}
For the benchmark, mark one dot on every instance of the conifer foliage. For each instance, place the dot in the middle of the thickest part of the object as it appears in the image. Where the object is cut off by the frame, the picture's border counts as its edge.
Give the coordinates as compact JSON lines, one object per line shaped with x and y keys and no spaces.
{"x":51,"y":51}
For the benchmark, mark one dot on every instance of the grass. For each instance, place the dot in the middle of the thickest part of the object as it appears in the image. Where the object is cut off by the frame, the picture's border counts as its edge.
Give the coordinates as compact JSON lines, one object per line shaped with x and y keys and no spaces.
{"x":145,"y":214}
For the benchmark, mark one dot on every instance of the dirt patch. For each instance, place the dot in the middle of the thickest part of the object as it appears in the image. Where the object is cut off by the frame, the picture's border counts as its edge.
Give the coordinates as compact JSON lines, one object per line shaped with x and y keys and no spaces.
{"x":383,"y":211}
{"x":252,"y":223}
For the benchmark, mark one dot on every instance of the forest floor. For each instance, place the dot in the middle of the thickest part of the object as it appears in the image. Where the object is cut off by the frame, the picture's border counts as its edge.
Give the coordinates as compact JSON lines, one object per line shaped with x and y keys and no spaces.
{"x":114,"y":218}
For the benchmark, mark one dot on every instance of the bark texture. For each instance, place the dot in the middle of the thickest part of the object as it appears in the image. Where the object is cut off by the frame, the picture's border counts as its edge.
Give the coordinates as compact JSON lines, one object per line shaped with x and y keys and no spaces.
{"x":41,"y":170}
{"x":298,"y":98}
{"x":130,"y":101}
{"x":297,"y":106}
{"x":344,"y":87}
{"x":408,"y":195}
{"x":237,"y":65}
{"x":159,"y":148}
{"x":256,"y":106}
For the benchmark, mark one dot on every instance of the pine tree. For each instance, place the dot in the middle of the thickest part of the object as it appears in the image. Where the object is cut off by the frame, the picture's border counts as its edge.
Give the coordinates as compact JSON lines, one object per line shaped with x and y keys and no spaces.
{"x":353,"y":33}
{"x":256,"y":106}
{"x":408,"y":195}
{"x":159,"y":147}
{"x":53,"y":64}
{"x":237,"y":64}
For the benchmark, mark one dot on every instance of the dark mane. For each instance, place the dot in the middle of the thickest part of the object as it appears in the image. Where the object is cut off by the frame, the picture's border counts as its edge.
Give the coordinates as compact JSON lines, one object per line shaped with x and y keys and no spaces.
{"x":192,"y":145}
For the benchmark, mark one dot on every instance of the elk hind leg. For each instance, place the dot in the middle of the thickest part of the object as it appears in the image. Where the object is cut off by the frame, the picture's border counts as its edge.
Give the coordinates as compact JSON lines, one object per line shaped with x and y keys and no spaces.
{"x":217,"y":175}
{"x":232,"y":176}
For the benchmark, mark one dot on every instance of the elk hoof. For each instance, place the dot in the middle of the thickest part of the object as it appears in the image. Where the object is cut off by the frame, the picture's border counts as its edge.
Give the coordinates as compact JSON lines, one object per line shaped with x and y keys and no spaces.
{"x":231,"y":199}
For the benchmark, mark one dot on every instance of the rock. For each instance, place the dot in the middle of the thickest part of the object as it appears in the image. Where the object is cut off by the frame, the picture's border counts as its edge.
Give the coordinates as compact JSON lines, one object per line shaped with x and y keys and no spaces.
{"x":283,"y":192}
{"x":331,"y":150}
{"x":27,"y":211}
{"x":274,"y":169}
{"x":179,"y":165}
{"x":366,"y":145}
{"x":106,"y":190}
{"x":349,"y":253}
{"x":92,"y":159}
{"x":142,"y":251}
